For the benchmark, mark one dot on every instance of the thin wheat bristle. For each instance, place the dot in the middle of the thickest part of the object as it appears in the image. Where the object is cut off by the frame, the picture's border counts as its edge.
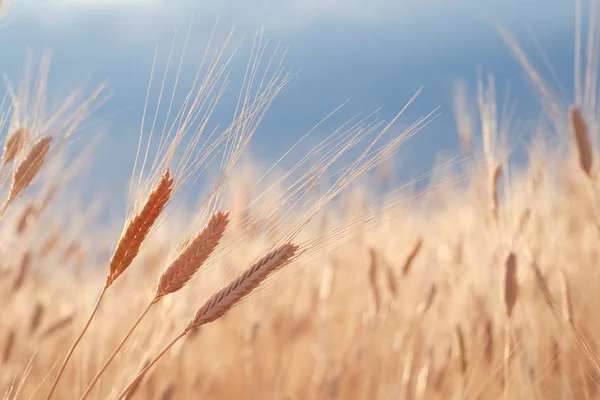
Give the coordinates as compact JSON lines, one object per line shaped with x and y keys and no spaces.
{"x":14,"y":145}
{"x":511,"y":287}
{"x":222,"y":301}
{"x":138,"y":228}
{"x":29,"y":167}
{"x":195,"y":254}
{"x":582,"y":141}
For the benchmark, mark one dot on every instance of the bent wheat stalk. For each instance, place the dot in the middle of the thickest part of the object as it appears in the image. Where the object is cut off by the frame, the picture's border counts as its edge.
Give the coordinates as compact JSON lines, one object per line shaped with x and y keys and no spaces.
{"x":227,"y":297}
{"x":177,"y":275}
{"x":127,"y":249}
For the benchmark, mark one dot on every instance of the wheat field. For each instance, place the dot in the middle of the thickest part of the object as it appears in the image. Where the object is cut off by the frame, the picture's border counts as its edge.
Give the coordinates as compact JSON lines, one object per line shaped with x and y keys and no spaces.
{"x":302,"y":280}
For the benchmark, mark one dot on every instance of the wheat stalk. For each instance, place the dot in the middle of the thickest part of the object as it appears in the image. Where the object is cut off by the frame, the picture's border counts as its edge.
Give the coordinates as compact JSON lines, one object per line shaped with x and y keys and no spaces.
{"x":176,"y":276}
{"x":227,"y":297}
{"x":189,"y":261}
{"x":129,"y":244}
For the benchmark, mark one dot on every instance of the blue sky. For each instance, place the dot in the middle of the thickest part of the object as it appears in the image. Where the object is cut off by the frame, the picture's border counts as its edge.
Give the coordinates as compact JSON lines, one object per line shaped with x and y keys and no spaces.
{"x":376,"y":53}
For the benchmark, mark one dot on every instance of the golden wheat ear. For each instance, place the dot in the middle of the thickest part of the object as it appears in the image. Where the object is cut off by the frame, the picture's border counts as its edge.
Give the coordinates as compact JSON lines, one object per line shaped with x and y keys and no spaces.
{"x":15,"y":144}
{"x":582,"y":141}
{"x":138,"y":227}
{"x":227,"y":297}
{"x":193,"y":257}
{"x":28,"y":169}
{"x":134,"y":234}
{"x":176,"y":276}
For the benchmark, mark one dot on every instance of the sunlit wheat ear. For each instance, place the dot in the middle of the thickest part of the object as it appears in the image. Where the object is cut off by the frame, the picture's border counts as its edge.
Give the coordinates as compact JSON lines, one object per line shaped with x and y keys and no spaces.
{"x":138,"y":228}
{"x":195,"y":254}
{"x":582,"y":141}
{"x":28,"y":168}
{"x":226,"y":298}
{"x":14,"y":145}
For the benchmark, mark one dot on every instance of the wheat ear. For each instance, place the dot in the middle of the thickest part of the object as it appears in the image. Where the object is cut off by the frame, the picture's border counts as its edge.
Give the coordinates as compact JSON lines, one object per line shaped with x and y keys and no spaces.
{"x":222,"y":301}
{"x":511,"y":293}
{"x":582,"y":141}
{"x":28,"y":169}
{"x":227,"y":297}
{"x":129,"y":245}
{"x":14,"y":145}
{"x":189,"y":261}
{"x":176,"y":276}
{"x":138,"y":228}
{"x":493,"y":190}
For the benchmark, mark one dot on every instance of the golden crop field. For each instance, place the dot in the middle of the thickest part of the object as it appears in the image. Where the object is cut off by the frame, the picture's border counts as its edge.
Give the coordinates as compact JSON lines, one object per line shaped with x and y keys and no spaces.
{"x":301,"y":282}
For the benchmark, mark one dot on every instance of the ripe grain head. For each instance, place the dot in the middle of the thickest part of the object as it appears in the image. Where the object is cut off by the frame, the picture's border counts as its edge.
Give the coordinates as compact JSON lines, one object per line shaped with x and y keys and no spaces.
{"x":28,"y":168}
{"x":138,"y":228}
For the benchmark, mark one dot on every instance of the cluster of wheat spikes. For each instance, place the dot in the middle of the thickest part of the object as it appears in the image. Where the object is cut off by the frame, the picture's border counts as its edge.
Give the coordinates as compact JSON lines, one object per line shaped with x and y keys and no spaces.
{"x":159,"y":174}
{"x":482,"y":286}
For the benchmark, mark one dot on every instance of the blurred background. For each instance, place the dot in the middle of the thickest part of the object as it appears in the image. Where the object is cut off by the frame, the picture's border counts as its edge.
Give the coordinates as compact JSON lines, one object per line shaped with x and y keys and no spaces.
{"x":375,"y":53}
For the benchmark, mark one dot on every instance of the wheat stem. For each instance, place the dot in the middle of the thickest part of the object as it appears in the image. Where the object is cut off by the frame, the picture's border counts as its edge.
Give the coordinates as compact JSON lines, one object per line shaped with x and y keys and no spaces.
{"x":72,"y":349}
{"x":150,"y":365}
{"x":116,"y":351}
